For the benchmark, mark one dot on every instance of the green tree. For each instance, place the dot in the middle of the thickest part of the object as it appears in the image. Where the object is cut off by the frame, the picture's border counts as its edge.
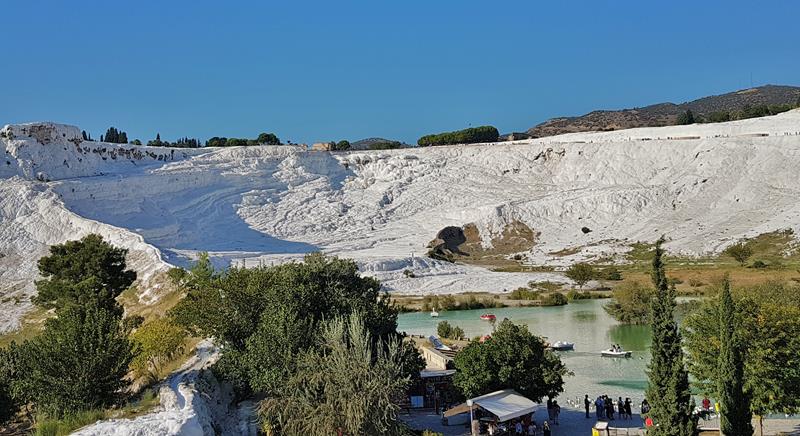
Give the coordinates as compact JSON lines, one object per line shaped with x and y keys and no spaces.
{"x":77,"y":363}
{"x":343,"y":385}
{"x":740,"y":252}
{"x":735,"y":414}
{"x":686,"y":118}
{"x":668,"y":388}
{"x":263,"y":317}
{"x":580,"y":273}
{"x":467,"y":136}
{"x":9,"y":402}
{"x":77,"y":272}
{"x":767,"y":320}
{"x":445,"y":330}
{"x":157,"y":343}
{"x":512,"y":358}
{"x":631,"y":303}
{"x":268,"y":139}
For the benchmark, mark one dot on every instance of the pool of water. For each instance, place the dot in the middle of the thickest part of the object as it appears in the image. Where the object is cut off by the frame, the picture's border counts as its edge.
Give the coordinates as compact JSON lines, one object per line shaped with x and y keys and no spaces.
{"x":583,"y":322}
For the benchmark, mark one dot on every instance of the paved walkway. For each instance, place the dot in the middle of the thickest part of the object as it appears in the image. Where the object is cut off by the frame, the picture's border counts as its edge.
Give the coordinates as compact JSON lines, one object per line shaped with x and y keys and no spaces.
{"x":574,"y":422}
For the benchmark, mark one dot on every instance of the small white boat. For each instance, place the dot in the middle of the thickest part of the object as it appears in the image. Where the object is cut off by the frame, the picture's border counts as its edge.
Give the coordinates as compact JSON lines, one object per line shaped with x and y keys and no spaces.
{"x":434,"y":314}
{"x":562,"y":346}
{"x":615,"y":353}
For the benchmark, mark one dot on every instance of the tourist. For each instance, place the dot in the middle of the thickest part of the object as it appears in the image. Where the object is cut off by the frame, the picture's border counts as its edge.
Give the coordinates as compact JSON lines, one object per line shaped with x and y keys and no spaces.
{"x":546,"y":429}
{"x":645,"y":407}
{"x":550,"y":409}
{"x":609,"y":408}
{"x":532,"y":429}
{"x":621,"y":408}
{"x":600,"y":407}
{"x":628,"y":408}
{"x":586,"y":404}
{"x":706,"y":404}
{"x":518,"y":428}
{"x":556,"y":412}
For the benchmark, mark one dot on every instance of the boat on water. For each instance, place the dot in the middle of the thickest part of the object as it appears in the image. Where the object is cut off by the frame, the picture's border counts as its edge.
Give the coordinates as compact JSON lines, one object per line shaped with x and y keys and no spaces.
{"x":488,"y":317}
{"x":434,"y":314}
{"x":612,"y":352}
{"x":562,"y":346}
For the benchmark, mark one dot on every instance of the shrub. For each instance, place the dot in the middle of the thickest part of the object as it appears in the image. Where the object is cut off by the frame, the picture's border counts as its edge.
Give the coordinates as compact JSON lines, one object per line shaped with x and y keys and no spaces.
{"x":759,"y":264}
{"x":631,"y":304}
{"x":447,"y":331}
{"x":576,"y":295}
{"x":611,"y":273}
{"x":554,"y":299}
{"x":157,"y":342}
{"x":467,"y":136}
{"x":524,"y":294}
{"x":686,"y":118}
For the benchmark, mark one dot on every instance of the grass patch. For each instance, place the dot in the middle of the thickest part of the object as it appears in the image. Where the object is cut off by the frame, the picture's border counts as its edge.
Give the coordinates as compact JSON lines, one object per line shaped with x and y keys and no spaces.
{"x":141,"y":405}
{"x":68,"y":424}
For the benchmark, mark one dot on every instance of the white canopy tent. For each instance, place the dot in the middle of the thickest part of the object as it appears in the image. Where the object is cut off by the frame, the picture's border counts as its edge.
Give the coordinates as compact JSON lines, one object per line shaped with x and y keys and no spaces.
{"x":506,"y":404}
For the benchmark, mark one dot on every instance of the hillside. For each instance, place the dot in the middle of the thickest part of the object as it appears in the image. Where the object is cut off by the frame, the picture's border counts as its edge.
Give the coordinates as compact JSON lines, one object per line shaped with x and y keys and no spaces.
{"x":666,"y":114}
{"x":704,"y":186}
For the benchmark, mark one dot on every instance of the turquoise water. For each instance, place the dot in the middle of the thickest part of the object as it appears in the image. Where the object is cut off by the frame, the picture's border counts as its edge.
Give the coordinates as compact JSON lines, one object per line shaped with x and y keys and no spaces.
{"x":583,"y":322}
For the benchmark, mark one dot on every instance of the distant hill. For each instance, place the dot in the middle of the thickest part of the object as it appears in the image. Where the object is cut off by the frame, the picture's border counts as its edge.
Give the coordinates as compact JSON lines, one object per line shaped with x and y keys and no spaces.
{"x":666,"y":114}
{"x":365,"y":144}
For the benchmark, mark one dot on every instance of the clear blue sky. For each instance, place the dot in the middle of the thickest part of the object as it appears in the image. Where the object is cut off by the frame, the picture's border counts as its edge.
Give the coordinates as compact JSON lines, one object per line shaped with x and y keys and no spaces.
{"x":312,"y":71}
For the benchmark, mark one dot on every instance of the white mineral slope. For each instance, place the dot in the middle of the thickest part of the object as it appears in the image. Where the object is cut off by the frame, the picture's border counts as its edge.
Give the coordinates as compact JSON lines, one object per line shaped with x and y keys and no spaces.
{"x":193,"y":403}
{"x":704,"y":186}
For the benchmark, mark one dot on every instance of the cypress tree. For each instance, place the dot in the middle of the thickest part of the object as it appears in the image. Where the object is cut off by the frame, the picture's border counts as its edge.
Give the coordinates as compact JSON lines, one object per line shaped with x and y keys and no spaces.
{"x":736,"y":418}
{"x":668,"y":389}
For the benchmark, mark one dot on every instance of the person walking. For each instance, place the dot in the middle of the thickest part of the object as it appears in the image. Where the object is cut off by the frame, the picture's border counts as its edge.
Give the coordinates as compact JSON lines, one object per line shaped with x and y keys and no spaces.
{"x":621,"y":408}
{"x":556,"y":412}
{"x":546,"y":429}
{"x":587,"y":404}
{"x":550,"y":409}
{"x":628,"y":408}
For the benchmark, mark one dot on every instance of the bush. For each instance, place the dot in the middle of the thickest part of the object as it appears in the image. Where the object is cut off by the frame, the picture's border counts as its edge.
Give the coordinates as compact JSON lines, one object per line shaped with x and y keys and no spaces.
{"x":611,"y":273}
{"x":157,"y":343}
{"x":524,"y":294}
{"x":759,"y":264}
{"x":467,"y":136}
{"x":631,"y":304}
{"x":576,"y":295}
{"x":686,"y":118}
{"x":554,"y":299}
{"x":447,"y":331}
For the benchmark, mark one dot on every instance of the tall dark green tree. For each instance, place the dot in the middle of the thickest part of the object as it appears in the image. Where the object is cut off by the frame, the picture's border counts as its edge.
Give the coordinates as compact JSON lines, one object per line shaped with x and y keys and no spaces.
{"x":78,"y":271}
{"x":668,"y":389}
{"x":735,"y":414}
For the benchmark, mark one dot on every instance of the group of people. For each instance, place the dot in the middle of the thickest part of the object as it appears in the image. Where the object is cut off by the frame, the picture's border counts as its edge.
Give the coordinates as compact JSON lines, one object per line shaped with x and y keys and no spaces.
{"x":521,"y":427}
{"x":605,"y":407}
{"x":616,"y":348}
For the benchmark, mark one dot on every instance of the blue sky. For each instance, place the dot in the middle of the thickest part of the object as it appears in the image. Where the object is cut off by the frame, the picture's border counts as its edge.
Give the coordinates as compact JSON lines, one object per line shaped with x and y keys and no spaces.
{"x":312,"y":71}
